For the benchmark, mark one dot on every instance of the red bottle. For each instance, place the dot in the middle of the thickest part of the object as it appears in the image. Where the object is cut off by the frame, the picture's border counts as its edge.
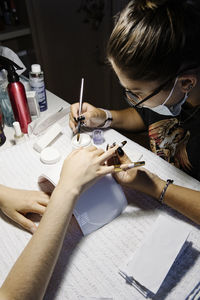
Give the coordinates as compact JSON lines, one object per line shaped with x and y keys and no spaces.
{"x":16,"y":93}
{"x":19,"y":104}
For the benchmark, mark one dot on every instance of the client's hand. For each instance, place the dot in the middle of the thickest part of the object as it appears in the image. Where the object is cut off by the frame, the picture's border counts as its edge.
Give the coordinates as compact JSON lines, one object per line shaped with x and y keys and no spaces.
{"x":17,"y":203}
{"x":83,"y":166}
{"x":94,"y":117}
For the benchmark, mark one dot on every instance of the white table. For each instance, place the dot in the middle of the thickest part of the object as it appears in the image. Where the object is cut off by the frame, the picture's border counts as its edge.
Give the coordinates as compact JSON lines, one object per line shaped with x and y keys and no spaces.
{"x":88,"y":266}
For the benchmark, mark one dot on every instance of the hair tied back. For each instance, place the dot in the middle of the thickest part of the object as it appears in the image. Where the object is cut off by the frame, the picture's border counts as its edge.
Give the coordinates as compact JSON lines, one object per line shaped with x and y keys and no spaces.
{"x":151,"y":4}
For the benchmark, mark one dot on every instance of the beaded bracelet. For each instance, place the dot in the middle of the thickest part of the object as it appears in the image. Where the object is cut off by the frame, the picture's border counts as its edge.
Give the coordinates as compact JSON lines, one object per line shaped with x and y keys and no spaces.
{"x":168,"y":182}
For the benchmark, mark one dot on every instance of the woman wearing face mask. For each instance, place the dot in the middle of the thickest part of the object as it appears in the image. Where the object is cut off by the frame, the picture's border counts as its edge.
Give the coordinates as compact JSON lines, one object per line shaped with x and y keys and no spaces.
{"x":154,"y":51}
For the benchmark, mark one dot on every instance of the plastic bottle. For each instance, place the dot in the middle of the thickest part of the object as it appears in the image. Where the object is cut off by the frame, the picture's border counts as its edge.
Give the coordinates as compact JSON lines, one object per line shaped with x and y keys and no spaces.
{"x":36,"y":79}
{"x":6,"y":107}
{"x":16,"y":94}
{"x":18,"y":136}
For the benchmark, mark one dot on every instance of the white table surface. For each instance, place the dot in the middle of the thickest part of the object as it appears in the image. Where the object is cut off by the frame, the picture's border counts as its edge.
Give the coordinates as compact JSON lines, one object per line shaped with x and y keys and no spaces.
{"x":78,"y":273}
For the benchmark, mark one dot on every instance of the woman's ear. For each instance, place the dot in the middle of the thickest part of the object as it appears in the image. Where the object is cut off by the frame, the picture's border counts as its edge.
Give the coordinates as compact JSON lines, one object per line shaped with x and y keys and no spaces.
{"x":187,"y":82}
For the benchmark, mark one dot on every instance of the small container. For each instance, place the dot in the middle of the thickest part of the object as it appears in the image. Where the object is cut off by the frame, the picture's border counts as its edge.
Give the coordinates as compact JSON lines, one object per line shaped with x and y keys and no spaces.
{"x":36,"y":80}
{"x":18,"y":136}
{"x":84,"y":141}
{"x":97,"y":136}
{"x":33,"y":104}
{"x":50,"y":155}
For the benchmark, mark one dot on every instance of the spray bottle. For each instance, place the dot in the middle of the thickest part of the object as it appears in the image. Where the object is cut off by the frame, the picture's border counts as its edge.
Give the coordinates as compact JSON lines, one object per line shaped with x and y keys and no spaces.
{"x":16,"y":93}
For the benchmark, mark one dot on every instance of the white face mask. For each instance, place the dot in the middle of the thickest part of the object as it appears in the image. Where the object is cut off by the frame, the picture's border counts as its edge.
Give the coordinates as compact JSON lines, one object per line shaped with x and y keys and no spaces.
{"x":173,"y":110}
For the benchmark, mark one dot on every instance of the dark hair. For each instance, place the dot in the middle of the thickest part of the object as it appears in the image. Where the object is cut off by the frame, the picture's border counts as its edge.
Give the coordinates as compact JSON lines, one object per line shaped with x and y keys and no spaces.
{"x":156,"y":39}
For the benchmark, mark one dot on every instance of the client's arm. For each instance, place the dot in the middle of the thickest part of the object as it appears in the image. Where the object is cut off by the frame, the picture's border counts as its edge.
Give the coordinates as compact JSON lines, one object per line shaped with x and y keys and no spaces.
{"x":30,"y":275}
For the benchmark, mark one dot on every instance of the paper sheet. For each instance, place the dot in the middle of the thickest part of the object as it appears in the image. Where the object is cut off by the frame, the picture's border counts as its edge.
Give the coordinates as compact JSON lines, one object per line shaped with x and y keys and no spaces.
{"x":152,"y":261}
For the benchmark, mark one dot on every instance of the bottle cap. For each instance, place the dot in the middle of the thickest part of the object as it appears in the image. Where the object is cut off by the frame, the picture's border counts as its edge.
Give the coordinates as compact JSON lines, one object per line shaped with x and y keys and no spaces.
{"x":50,"y":155}
{"x":36,"y":68}
{"x":17,"y":129}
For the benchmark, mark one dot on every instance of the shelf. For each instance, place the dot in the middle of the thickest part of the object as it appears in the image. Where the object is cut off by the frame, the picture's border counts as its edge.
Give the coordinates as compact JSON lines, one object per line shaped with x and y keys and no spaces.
{"x":14,"y":32}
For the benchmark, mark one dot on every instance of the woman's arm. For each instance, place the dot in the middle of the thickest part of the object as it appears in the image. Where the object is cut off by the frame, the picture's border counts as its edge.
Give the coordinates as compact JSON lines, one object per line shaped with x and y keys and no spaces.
{"x":184,"y":200}
{"x":127,"y":119}
{"x":30,"y":275}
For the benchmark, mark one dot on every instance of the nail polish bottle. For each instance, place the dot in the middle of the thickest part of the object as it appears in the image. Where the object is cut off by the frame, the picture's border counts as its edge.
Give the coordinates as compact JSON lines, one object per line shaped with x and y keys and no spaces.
{"x":18,"y":136}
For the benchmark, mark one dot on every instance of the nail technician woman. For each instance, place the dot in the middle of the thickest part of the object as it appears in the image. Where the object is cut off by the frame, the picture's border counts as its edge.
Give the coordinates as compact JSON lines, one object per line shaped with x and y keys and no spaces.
{"x":154,"y":50}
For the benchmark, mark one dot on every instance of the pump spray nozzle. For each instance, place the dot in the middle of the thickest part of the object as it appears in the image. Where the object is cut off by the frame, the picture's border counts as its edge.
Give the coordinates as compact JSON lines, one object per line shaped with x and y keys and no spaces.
{"x":11,"y":67}
{"x":6,"y":63}
{"x":16,"y":93}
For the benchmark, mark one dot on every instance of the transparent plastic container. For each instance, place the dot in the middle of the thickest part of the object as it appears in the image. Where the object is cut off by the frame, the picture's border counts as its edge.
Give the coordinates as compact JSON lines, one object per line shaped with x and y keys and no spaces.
{"x":5,"y":104}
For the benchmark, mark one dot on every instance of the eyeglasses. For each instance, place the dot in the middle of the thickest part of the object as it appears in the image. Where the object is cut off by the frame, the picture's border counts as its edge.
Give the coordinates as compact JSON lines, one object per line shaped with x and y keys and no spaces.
{"x":134,"y":101}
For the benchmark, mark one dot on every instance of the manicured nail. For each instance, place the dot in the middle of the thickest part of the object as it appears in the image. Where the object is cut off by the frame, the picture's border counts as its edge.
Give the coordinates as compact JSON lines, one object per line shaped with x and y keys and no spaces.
{"x":107,"y":147}
{"x":33,"y":229}
{"x":120,"y":151}
{"x":113,"y":145}
{"x":122,"y":144}
{"x":81,"y":118}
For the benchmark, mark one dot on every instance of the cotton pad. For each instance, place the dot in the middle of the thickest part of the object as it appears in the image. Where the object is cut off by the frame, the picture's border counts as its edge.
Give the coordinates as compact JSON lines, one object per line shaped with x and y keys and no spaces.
{"x":49,"y":155}
{"x":84,"y":141}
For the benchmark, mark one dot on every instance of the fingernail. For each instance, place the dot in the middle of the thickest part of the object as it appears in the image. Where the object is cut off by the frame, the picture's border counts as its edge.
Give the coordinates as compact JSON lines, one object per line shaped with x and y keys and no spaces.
{"x":120,"y":151}
{"x":113,"y":145}
{"x":107,"y":147}
{"x":81,"y":118}
{"x":122,"y":144}
{"x":75,"y":119}
{"x":33,"y":229}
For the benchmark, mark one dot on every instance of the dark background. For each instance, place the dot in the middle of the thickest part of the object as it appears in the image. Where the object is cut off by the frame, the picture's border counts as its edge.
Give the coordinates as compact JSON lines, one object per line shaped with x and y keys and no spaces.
{"x":68,"y":38}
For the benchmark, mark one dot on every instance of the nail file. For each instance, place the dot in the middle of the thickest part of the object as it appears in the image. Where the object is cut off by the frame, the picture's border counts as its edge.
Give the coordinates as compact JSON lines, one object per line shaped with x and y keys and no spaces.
{"x":44,"y":140}
{"x":44,"y":124}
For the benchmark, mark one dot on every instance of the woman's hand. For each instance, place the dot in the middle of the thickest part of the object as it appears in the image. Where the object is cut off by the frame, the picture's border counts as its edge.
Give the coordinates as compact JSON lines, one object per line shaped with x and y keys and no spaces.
{"x":138,"y":178}
{"x":17,"y":203}
{"x":94,"y":117}
{"x":83,"y":166}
